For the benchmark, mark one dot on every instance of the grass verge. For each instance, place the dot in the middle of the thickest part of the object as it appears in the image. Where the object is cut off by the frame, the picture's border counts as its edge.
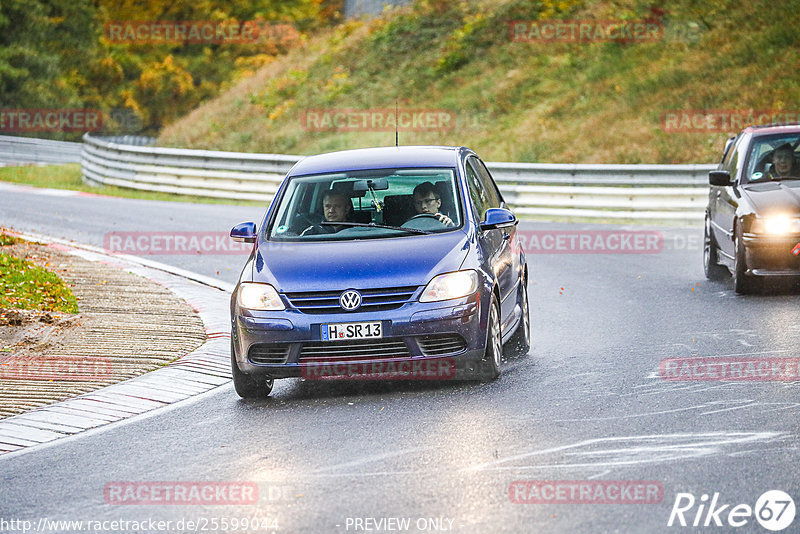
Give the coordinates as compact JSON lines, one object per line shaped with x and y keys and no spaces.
{"x":26,"y":286}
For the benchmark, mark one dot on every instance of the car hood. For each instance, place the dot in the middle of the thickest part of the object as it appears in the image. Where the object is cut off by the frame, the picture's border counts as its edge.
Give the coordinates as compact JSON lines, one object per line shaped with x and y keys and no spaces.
{"x":362,"y":264}
{"x":774,"y":196}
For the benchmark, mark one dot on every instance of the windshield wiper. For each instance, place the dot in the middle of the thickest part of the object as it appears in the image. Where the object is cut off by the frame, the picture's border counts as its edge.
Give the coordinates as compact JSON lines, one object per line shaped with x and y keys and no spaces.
{"x":374,"y":225}
{"x":766,"y":180}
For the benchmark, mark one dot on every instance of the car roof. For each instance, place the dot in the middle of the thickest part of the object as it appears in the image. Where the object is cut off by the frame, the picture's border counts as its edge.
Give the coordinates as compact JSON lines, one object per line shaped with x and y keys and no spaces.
{"x":379,"y":158}
{"x":772,"y":129}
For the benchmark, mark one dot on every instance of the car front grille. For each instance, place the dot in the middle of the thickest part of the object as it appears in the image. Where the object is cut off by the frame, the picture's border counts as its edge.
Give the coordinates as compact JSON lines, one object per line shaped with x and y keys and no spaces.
{"x":441,"y":344}
{"x":354,"y":350}
{"x":268,"y":353}
{"x":372,"y":300}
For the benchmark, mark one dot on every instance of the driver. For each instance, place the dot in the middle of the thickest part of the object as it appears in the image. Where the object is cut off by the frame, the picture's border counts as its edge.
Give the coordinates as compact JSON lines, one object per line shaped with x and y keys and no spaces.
{"x":783,"y":164}
{"x":428,"y":200}
{"x":336,"y":207}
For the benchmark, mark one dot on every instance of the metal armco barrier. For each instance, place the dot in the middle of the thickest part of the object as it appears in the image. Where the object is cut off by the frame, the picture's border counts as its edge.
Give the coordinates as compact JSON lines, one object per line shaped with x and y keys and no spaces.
{"x":26,"y":150}
{"x":676,"y":193}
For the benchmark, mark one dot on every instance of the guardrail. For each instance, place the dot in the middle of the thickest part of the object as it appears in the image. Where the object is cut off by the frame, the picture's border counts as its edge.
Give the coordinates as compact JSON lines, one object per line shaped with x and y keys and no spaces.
{"x":608,"y":192}
{"x":26,"y":150}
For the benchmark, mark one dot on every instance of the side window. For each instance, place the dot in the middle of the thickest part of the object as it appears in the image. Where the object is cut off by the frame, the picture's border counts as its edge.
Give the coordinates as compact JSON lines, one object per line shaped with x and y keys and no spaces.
{"x":477,"y":193}
{"x":734,"y":162}
{"x":730,"y":146}
{"x":495,"y":199}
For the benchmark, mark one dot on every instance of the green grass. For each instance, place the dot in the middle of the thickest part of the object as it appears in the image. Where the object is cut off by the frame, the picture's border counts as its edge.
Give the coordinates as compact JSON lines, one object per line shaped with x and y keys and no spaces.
{"x":598,"y":102}
{"x":8,"y":240}
{"x":26,"y":286}
{"x":69,"y":177}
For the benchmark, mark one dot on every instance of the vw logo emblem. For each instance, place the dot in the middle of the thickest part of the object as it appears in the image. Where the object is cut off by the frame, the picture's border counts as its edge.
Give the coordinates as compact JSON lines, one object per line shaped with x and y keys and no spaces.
{"x":350,"y":300}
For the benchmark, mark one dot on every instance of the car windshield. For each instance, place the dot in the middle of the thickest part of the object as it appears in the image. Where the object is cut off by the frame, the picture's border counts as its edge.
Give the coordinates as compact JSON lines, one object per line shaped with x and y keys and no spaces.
{"x":774,"y":158}
{"x":367,"y":205}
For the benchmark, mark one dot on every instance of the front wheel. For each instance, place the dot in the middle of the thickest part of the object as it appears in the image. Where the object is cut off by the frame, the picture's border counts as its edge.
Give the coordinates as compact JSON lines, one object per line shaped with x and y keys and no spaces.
{"x":250,"y":386}
{"x":490,"y":365}
{"x":743,"y":283}
{"x":520,"y":342}
{"x":711,"y":266}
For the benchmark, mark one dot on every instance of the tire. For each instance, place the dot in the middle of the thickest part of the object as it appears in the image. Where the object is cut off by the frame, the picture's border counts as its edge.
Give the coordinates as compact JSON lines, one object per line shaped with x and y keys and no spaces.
{"x":489,"y":368}
{"x":520,"y":342}
{"x":250,"y":386}
{"x":711,"y":266}
{"x":742,"y":282}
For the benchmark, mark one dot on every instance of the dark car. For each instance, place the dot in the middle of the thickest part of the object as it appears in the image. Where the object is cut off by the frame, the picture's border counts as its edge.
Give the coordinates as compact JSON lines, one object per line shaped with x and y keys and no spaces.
{"x":752,"y":223}
{"x":380,"y":263}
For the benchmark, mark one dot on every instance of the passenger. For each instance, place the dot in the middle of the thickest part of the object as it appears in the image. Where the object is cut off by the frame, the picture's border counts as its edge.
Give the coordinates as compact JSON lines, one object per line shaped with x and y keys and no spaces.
{"x":783,"y":163}
{"x":427,"y":199}
{"x":336,"y":207}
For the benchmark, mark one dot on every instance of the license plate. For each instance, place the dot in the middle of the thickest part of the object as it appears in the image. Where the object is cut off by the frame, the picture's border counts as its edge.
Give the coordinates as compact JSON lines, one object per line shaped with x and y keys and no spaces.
{"x":334,"y":332}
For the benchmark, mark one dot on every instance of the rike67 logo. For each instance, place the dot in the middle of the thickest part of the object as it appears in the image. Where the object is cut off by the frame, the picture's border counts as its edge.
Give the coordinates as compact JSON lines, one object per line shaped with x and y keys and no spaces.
{"x":774,"y":510}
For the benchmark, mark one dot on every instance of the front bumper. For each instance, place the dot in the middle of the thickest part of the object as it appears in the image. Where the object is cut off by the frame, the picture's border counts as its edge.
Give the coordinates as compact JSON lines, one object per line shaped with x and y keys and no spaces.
{"x":420,"y":341}
{"x":772,"y":255}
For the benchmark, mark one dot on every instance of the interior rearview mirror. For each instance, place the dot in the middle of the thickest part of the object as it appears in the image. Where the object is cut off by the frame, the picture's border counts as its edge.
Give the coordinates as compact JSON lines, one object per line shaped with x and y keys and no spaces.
{"x":376,"y":184}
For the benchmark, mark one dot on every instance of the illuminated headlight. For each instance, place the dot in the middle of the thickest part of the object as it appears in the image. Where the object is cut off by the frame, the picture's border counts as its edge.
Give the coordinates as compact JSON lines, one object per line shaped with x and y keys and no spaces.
{"x":450,"y":286}
{"x":261,"y":297}
{"x":777,"y":225}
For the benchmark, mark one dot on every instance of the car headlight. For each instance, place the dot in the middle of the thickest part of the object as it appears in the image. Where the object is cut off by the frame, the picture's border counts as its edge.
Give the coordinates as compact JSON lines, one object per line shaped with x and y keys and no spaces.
{"x":450,"y":286}
{"x":777,"y":225}
{"x":261,"y":297}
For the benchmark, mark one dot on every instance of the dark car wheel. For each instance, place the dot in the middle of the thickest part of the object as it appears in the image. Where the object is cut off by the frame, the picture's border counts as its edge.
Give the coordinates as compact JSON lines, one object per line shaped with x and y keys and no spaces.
{"x":743,"y":283}
{"x":490,"y":365}
{"x":713,"y":270}
{"x":520,"y":342}
{"x":250,"y":386}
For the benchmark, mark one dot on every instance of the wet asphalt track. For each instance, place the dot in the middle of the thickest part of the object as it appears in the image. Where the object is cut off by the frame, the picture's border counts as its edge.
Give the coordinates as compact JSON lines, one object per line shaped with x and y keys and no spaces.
{"x":587,"y":403}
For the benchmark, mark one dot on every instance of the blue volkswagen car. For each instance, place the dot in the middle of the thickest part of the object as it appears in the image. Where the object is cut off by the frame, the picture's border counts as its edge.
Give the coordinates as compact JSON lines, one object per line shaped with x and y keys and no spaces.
{"x":380,"y":263}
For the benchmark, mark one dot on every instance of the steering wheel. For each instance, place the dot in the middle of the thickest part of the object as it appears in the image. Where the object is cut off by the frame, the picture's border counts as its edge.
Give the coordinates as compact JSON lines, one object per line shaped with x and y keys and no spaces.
{"x":314,"y":229}
{"x":420,"y":215}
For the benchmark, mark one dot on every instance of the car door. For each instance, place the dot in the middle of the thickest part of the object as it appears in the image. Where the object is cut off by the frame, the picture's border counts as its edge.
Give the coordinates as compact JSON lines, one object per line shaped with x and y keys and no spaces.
{"x":496,"y":243}
{"x":727,"y":199}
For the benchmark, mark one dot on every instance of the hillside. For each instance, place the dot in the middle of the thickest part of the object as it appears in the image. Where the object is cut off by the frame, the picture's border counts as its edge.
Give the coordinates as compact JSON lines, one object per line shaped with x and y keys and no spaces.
{"x":598,"y":101}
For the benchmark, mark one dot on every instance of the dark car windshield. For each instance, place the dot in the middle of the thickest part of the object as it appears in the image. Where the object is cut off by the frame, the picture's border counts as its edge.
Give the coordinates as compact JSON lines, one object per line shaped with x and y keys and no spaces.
{"x":774,"y":158}
{"x":367,"y":205}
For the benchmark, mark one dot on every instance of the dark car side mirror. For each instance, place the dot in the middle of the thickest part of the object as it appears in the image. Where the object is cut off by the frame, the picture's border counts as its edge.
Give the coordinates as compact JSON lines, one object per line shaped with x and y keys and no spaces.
{"x":244,"y":232}
{"x":497,"y":218}
{"x":719,"y":178}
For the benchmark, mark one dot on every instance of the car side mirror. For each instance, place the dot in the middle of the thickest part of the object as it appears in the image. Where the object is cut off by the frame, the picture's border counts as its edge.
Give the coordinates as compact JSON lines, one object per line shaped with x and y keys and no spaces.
{"x":719,"y":178}
{"x":497,"y":218}
{"x":244,"y":232}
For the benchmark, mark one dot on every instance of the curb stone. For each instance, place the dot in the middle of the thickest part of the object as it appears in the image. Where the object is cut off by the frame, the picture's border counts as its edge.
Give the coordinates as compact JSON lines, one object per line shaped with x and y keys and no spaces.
{"x":200,"y":371}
